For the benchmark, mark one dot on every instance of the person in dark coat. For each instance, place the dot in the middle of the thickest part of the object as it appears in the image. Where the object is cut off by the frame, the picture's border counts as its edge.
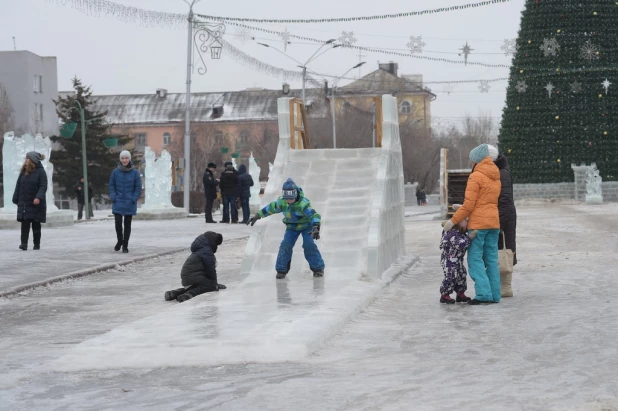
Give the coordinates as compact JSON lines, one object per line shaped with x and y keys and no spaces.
{"x":199,"y":272}
{"x":29,"y":196}
{"x":246,"y":182}
{"x":230,"y":190}
{"x":125,"y":188}
{"x":79,"y":192}
{"x":508,"y":219}
{"x":210,"y":190}
{"x":419,"y":196}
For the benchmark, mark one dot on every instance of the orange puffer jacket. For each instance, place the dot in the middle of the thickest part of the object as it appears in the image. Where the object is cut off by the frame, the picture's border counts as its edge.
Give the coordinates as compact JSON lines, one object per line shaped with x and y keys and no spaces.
{"x":482,"y":193}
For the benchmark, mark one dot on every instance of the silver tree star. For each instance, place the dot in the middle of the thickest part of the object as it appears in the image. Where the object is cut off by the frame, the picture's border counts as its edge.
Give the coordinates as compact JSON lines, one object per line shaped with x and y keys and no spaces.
{"x":484,"y":86}
{"x":285,"y":36}
{"x":347,"y":38}
{"x":521,"y":87}
{"x":550,"y":47}
{"x":576,"y":87}
{"x":243,"y":34}
{"x":416,"y":44}
{"x":606,"y":85}
{"x":509,"y":47}
{"x":550,"y":88}
{"x":466,"y":50}
{"x":589,"y":51}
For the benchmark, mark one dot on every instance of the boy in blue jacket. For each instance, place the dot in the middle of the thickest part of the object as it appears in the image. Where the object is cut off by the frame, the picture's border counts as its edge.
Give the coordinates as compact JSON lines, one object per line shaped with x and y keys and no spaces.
{"x":300,"y":219}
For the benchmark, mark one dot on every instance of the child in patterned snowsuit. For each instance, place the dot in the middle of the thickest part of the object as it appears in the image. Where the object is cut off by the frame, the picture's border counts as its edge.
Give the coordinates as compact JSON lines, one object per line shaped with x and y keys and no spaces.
{"x":300,"y":219}
{"x":454,"y":244}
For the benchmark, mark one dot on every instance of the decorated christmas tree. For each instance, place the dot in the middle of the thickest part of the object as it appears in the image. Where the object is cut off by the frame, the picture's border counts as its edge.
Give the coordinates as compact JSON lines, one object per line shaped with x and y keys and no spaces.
{"x":68,"y":159}
{"x":562,"y":98}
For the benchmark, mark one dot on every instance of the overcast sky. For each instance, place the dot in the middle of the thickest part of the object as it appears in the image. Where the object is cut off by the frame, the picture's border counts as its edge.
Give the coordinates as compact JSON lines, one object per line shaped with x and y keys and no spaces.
{"x":125,"y":58}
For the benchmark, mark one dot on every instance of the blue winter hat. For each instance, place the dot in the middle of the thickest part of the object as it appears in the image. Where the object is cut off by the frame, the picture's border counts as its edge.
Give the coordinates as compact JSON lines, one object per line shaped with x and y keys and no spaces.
{"x":290,"y":191}
{"x":479,"y":153}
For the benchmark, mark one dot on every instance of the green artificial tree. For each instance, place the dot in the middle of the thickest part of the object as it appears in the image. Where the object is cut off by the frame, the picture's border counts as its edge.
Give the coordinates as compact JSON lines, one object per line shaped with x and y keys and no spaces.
{"x":68,"y":159}
{"x":562,"y":98}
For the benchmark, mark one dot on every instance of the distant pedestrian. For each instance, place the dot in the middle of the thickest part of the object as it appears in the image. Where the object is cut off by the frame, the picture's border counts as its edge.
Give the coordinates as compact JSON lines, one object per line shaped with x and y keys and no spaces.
{"x":125,"y":188}
{"x":508,"y":219}
{"x":210,"y":190}
{"x":423,"y":197}
{"x":79,"y":192}
{"x":29,"y":196}
{"x":454,"y":245}
{"x":199,"y":272}
{"x":230,"y":189}
{"x":481,"y":206}
{"x":246,"y":182}
{"x":419,"y":196}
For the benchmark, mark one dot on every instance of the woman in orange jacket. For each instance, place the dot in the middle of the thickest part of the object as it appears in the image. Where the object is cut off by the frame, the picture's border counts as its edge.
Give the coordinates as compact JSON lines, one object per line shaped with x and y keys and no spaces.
{"x":481,"y":208}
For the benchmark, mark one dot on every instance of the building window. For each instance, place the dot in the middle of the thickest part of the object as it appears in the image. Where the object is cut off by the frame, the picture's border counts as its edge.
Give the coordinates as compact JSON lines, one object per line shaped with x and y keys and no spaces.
{"x":140,"y":141}
{"x":38,"y":84}
{"x":406,"y":107}
{"x":38,"y":112}
{"x":167,"y":139}
{"x":219,"y":137}
{"x":244,"y":137}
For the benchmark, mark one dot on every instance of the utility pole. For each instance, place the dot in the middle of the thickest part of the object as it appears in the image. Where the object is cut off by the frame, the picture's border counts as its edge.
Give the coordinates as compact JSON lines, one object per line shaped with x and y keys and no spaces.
{"x":14,"y":44}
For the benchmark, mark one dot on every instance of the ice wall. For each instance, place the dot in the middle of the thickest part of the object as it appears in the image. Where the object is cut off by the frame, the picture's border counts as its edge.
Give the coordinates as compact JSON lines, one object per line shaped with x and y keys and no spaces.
{"x":158,"y":174}
{"x":254,"y":171}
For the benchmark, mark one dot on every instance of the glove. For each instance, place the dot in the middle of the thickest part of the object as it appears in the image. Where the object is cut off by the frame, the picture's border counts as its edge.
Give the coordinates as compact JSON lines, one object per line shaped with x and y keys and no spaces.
{"x":464,"y":224}
{"x":315,"y":232}
{"x":221,"y":287}
{"x":456,"y":207}
{"x":219,"y":196}
{"x":448,"y":226}
{"x":254,"y":220}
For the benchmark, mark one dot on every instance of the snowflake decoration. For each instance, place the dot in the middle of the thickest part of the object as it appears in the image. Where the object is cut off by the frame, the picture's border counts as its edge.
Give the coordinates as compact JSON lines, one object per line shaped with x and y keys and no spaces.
{"x":576,"y":87}
{"x":484,"y":86}
{"x":606,"y":85}
{"x":347,"y":38}
{"x":243,"y":34}
{"x":509,"y":47}
{"x":521,"y":87}
{"x":466,"y":51}
{"x":589,"y":51}
{"x":285,"y":36}
{"x":550,"y":88}
{"x":448,"y":89}
{"x":416,"y":44}
{"x":550,"y":47}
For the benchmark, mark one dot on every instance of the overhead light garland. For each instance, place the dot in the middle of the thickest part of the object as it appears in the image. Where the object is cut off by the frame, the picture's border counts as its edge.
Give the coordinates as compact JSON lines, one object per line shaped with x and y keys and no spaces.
{"x":362,"y":18}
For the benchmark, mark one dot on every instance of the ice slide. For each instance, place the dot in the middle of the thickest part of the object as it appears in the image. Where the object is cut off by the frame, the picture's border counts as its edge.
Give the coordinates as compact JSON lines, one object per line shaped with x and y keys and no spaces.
{"x":360,"y":195}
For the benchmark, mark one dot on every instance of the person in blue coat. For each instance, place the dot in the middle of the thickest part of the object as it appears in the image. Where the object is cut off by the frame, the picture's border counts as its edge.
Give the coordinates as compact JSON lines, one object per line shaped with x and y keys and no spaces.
{"x":125,"y":188}
{"x":29,"y":197}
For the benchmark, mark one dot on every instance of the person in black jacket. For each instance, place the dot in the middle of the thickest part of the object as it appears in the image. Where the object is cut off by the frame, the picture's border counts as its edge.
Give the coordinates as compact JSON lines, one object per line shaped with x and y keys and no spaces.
{"x":29,"y":196}
{"x":230,"y":189}
{"x":79,"y":192}
{"x":508,"y":217}
{"x":210,"y":190}
{"x":199,"y":272}
{"x":246,"y":182}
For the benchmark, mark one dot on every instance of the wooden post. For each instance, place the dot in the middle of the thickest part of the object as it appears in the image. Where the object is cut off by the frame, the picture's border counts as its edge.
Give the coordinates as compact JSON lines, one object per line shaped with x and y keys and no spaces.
{"x":299,"y":132}
{"x":292,"y":124}
{"x":379,"y":120}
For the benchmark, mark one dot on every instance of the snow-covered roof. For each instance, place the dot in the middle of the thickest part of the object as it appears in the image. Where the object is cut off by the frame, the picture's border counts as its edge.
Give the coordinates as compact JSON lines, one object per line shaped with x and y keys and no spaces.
{"x":382,"y":81}
{"x":247,"y":105}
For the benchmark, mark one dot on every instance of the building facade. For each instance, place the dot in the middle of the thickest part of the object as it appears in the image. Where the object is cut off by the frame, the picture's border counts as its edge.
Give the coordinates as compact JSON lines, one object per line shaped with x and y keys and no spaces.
{"x":31,"y":83}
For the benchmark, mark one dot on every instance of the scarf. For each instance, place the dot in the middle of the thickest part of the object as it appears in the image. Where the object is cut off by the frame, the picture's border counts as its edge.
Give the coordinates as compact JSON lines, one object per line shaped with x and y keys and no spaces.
{"x":125,"y":169}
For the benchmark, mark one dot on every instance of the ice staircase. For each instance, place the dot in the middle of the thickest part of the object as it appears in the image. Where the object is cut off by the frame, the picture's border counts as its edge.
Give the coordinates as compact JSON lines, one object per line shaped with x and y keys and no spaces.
{"x":360,"y":195}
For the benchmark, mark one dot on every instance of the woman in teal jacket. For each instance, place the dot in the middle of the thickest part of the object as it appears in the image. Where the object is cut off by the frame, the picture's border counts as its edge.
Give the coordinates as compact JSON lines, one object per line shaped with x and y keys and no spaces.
{"x":125,"y":188}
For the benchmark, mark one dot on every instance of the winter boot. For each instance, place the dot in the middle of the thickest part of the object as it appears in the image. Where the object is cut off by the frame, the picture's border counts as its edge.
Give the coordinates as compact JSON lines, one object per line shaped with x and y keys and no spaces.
{"x":221,"y":287}
{"x":462,"y":298}
{"x":118,"y":245}
{"x":37,"y":247}
{"x":125,"y":245}
{"x":183,"y":297}
{"x":506,"y":290}
{"x":318,"y":273}
{"x":281,"y":276}
{"x":23,"y":247}
{"x":446,"y":299}
{"x":173,"y":294}
{"x":478,"y":302}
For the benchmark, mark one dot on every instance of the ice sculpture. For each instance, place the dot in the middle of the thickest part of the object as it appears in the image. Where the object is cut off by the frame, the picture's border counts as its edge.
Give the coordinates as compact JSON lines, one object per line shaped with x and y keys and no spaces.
{"x":234,"y":163}
{"x":254,"y":171}
{"x":13,"y":155}
{"x":158,"y":175}
{"x":594,"y":191}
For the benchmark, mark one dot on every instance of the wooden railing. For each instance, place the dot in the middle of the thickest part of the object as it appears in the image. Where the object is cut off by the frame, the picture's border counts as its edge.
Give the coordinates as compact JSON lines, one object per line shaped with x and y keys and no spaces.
{"x":299,"y":129}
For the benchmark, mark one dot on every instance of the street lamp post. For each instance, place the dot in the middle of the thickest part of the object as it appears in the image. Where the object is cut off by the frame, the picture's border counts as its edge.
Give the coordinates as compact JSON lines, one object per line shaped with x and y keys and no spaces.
{"x":304,"y":66}
{"x":82,"y":118}
{"x":333,"y":103}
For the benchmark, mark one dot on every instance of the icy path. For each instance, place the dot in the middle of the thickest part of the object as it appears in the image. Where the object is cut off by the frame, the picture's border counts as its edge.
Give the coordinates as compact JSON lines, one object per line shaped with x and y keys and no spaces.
{"x":553,"y":346}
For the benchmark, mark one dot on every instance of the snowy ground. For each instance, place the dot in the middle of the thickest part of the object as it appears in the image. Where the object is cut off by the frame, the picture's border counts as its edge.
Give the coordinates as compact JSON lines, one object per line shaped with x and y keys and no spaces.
{"x":553,"y":346}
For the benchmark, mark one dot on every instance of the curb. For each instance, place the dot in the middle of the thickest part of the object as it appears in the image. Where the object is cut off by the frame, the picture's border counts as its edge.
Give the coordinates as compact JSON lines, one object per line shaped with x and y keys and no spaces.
{"x":86,"y":272}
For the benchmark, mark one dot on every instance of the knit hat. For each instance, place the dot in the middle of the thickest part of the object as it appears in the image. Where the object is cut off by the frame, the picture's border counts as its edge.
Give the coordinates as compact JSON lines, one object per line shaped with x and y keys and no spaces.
{"x":125,"y":153}
{"x":242,"y":169}
{"x":35,"y":157}
{"x":214,"y":239}
{"x":493,"y":152}
{"x":479,"y":153}
{"x":290,"y":190}
{"x":228,"y":163}
{"x":212,"y":165}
